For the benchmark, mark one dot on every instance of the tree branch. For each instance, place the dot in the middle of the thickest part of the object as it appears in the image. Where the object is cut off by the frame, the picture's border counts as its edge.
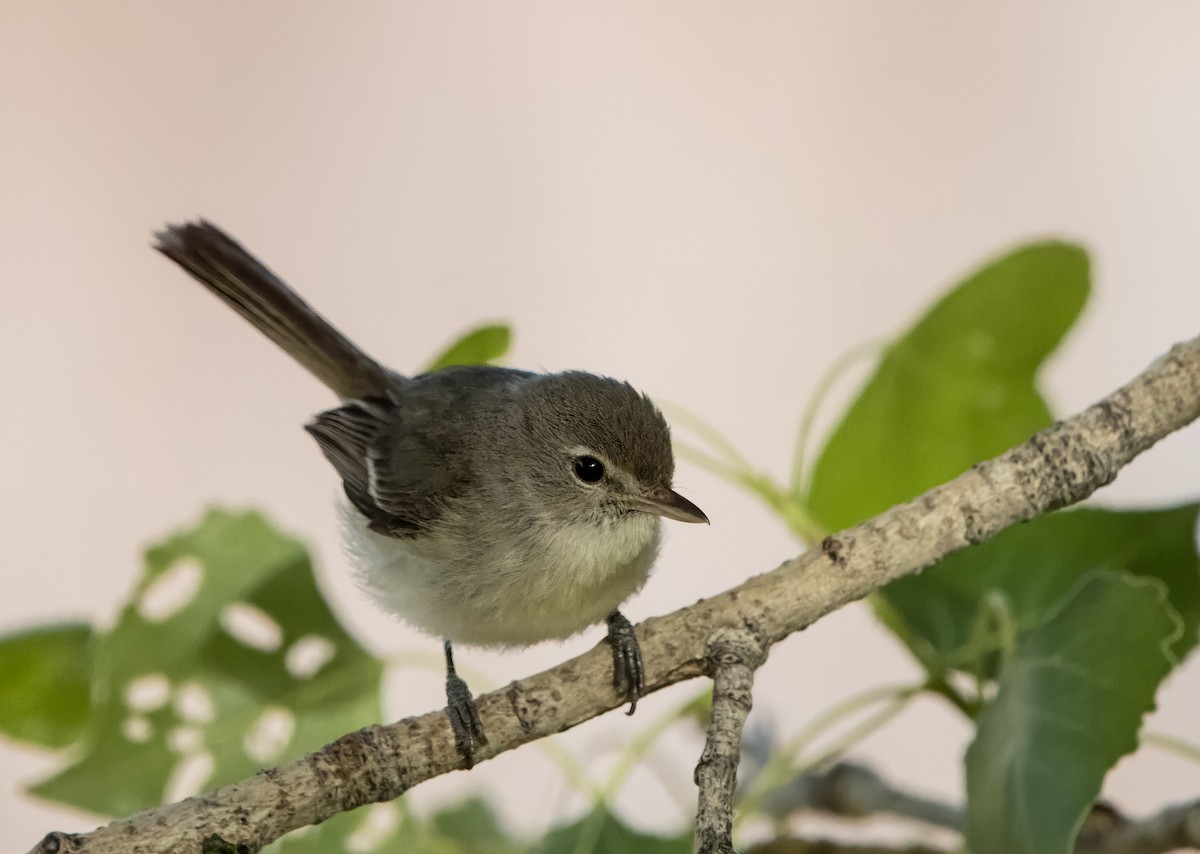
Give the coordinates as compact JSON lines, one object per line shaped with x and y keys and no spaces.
{"x":1058,"y":467}
{"x":735,"y":654}
{"x":1108,"y":832}
{"x":794,"y":845}
{"x":1104,"y":831}
{"x":851,"y":790}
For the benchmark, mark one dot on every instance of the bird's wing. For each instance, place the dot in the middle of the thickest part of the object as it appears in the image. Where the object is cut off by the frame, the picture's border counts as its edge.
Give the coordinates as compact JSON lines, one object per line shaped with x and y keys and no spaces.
{"x":388,"y":475}
{"x":403,"y":458}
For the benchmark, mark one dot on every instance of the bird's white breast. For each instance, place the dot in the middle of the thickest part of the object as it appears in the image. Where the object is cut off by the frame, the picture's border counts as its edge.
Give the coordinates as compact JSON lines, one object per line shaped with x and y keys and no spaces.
{"x":505,"y":590}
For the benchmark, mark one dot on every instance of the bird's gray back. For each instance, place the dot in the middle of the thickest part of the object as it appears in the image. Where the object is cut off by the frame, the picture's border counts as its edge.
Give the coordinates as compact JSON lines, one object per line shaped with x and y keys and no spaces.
{"x":404,"y":457}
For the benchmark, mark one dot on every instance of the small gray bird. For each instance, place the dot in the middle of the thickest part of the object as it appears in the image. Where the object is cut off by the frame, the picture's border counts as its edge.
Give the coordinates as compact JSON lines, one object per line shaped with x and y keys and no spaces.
{"x":486,"y":505}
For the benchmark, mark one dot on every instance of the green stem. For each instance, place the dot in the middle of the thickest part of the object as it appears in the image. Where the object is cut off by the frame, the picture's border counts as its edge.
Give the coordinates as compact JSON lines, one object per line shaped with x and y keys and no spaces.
{"x":585,"y":843}
{"x":708,"y":433}
{"x":795,"y":516}
{"x":971,"y":707}
{"x":797,"y":486}
{"x":781,"y":766}
{"x":571,"y":769}
{"x":858,"y":733}
{"x":1006,"y":623}
{"x":802,"y":524}
{"x":1171,"y":744}
{"x":642,"y":742}
{"x":668,"y":779}
{"x":710,"y":464}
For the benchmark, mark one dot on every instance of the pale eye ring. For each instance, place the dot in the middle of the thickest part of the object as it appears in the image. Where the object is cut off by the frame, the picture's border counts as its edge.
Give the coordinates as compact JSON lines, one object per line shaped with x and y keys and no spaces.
{"x":589,"y":469}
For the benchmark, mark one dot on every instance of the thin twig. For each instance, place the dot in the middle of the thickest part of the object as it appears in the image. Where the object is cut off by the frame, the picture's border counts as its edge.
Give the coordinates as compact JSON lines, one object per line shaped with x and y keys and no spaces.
{"x":1107,"y":832}
{"x":798,"y":483}
{"x":851,"y":790}
{"x":792,"y":845}
{"x":734,"y":653}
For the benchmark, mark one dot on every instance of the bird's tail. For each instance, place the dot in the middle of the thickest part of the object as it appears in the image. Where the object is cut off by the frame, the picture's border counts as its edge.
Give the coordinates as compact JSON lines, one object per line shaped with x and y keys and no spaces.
{"x":245,"y":284}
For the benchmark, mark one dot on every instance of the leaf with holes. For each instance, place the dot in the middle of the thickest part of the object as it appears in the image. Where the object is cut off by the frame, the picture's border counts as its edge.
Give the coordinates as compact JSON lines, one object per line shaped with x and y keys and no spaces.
{"x":1068,"y":705}
{"x":479,"y":347}
{"x":201,"y":683}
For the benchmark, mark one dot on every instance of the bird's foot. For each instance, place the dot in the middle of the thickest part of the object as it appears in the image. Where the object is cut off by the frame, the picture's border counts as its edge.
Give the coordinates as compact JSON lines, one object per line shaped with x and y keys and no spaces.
{"x":629,"y":674}
{"x":464,"y":719}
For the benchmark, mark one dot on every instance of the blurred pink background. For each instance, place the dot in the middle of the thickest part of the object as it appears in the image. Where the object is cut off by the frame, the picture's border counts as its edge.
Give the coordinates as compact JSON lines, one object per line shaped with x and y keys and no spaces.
{"x":713,"y":200}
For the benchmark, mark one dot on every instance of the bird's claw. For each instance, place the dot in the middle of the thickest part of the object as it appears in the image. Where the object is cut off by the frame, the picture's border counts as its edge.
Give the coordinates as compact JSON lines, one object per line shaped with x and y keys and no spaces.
{"x":629,"y":673}
{"x":464,"y":719}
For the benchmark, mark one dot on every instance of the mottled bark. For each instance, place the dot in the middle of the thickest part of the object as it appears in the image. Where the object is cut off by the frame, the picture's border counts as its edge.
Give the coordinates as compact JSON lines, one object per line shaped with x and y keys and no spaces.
{"x":734,"y":654}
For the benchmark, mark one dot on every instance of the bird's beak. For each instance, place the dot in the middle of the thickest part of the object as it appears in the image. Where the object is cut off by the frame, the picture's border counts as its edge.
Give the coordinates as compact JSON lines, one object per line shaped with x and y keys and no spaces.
{"x":671,"y":505}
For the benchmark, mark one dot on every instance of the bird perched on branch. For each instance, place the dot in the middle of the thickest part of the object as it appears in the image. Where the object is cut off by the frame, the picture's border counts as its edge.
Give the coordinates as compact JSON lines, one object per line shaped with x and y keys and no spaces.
{"x":485,"y":505}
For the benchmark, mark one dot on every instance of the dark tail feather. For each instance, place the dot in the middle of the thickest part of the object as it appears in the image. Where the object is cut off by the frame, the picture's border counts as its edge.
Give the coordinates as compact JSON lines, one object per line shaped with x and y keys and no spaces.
{"x":245,"y":284}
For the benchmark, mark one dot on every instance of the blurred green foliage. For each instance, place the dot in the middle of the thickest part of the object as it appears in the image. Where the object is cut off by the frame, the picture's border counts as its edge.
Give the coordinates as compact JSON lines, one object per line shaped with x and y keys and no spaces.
{"x":480,"y":346}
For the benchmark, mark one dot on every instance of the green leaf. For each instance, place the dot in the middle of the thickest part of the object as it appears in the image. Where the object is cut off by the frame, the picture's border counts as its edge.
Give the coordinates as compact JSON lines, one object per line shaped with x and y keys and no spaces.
{"x":177,"y":682}
{"x":474,"y":829}
{"x":1069,"y":704}
{"x":377,"y":829}
{"x":468,"y":828}
{"x":600,"y":832}
{"x":1027,"y":569}
{"x":44,"y":690}
{"x":478,"y":347}
{"x":956,"y":389}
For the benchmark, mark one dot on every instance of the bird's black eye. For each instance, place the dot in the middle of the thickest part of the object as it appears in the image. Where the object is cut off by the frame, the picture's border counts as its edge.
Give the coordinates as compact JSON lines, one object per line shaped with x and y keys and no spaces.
{"x":589,"y":469}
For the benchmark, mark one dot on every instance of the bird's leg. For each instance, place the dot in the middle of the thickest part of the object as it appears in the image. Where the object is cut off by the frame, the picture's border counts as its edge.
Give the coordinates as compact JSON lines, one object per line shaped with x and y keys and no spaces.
{"x":464,"y":716}
{"x":629,"y":674}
